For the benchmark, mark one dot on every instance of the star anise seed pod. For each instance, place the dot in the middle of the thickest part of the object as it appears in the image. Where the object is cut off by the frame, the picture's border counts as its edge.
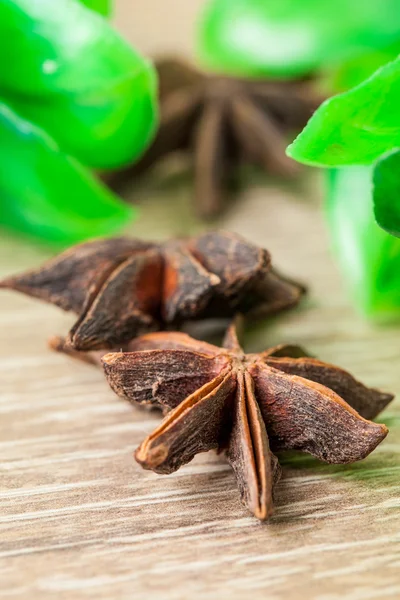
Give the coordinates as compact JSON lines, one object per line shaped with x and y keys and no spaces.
{"x":123,"y":287}
{"x":222,"y":121}
{"x":246,"y":405}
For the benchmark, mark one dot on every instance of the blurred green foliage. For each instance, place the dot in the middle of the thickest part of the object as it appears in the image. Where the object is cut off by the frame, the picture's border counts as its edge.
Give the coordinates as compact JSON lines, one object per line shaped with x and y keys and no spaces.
{"x":46,"y":192}
{"x":386,"y":192}
{"x":345,"y":43}
{"x":75,"y":89}
{"x":101,"y":6}
{"x":358,"y":128}
{"x":362,"y":127}
{"x":356,"y":69}
{"x":369,"y":257}
{"x":292,"y":38}
{"x":355,"y":127}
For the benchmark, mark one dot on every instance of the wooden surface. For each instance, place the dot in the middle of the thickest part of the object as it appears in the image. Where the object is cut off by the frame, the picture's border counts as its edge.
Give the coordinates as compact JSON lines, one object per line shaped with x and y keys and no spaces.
{"x":79,"y":519}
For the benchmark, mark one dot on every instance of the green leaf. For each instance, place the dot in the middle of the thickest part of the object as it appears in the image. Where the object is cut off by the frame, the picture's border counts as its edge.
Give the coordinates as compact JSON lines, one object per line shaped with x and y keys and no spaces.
{"x":46,"y":193}
{"x":75,"y":77}
{"x":291,"y":38}
{"x":356,"y":127}
{"x":369,"y":257}
{"x":386,"y":192}
{"x":103,"y":128}
{"x":101,"y":6}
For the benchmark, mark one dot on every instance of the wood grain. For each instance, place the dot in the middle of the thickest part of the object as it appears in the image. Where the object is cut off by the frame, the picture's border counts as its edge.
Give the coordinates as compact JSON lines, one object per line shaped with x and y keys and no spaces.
{"x":80,"y":520}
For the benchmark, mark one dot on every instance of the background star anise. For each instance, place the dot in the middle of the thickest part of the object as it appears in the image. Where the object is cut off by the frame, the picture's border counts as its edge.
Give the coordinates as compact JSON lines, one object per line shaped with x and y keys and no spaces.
{"x":223,"y":121}
{"x":122,"y":287}
{"x":246,"y":405}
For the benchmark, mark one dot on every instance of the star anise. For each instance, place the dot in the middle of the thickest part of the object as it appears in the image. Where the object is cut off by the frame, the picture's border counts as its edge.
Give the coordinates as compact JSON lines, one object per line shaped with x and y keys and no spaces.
{"x":122,"y":287}
{"x":223,"y":121}
{"x":246,"y":405}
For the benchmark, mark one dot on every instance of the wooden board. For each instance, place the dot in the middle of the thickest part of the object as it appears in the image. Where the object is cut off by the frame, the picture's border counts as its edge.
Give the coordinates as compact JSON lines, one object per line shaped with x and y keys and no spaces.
{"x":80,"y":520}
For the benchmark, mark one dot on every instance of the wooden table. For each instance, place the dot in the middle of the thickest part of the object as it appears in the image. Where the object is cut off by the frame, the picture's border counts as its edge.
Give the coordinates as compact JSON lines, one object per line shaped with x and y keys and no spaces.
{"x":79,"y":519}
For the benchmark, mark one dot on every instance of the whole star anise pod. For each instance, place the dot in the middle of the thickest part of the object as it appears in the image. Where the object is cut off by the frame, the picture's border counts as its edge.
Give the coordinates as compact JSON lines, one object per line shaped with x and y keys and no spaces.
{"x":223,"y":121}
{"x":246,"y":405}
{"x":122,"y":287}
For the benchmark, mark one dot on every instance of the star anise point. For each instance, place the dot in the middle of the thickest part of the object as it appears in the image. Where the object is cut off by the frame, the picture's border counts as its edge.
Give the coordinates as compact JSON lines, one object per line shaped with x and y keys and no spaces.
{"x":121,"y":288}
{"x":223,"y":121}
{"x":226,"y":400}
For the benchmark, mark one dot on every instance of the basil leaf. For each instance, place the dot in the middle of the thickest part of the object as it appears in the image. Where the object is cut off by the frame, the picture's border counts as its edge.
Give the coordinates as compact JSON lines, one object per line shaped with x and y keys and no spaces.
{"x":75,"y":77}
{"x":369,"y":257}
{"x":291,"y":38}
{"x":386,"y":192}
{"x":356,"y":127}
{"x":46,"y":193}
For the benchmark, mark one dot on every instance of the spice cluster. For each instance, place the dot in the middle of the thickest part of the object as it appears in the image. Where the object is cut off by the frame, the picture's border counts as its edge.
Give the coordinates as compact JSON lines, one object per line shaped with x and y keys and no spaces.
{"x":132,"y":294}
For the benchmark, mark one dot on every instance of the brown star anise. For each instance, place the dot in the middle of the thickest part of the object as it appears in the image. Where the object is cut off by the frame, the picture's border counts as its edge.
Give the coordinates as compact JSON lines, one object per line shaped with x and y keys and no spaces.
{"x":223,"y":121}
{"x":246,"y":405}
{"x":122,"y":287}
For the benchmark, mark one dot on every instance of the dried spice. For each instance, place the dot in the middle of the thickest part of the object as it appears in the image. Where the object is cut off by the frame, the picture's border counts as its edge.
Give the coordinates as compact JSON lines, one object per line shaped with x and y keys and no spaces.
{"x":221,"y":122}
{"x":122,"y":287}
{"x":248,"y":406}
